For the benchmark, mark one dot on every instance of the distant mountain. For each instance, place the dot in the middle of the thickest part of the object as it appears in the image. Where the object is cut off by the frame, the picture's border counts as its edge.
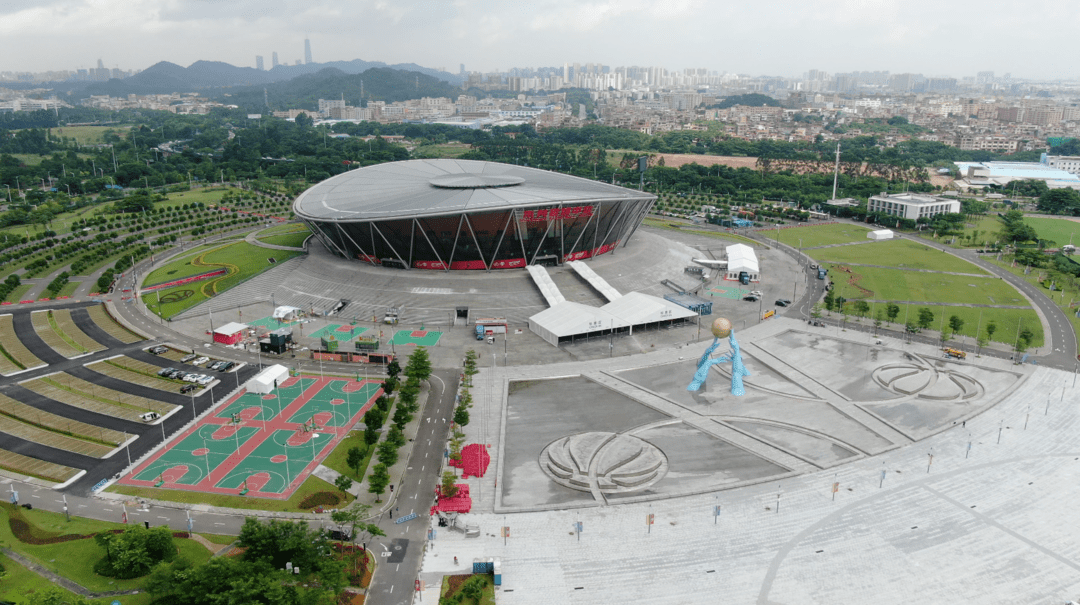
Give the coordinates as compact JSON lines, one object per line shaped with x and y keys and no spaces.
{"x":166,"y":77}
{"x":304,"y":92}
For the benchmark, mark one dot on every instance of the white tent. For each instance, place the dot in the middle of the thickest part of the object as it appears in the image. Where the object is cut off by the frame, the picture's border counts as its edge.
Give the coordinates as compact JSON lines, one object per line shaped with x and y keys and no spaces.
{"x":639,"y":309}
{"x":285,"y":312}
{"x":267,"y":380}
{"x":740,"y":259}
{"x":569,"y":319}
{"x":880,"y":234}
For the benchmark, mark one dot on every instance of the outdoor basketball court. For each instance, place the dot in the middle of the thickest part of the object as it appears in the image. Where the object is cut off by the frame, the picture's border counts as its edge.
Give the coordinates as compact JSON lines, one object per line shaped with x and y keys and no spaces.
{"x":343,"y":333}
{"x":265,"y":444}
{"x":420,"y":338}
{"x":732,"y":293}
{"x":271,"y":323}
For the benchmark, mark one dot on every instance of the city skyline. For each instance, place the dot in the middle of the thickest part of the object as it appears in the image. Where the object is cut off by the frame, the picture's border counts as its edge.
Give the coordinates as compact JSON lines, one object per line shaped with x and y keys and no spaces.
{"x":839,"y":37}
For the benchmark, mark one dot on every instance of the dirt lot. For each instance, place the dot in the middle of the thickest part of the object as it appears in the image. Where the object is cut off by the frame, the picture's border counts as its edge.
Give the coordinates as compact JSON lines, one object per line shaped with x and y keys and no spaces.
{"x":674,"y":160}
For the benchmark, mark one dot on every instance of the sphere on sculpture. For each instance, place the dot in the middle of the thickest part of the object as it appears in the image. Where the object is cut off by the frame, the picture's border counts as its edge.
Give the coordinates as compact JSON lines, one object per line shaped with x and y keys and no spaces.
{"x":721,"y":327}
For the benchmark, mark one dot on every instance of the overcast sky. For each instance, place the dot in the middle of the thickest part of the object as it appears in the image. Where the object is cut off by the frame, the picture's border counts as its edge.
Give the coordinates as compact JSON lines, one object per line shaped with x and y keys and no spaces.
{"x":1033,"y":39}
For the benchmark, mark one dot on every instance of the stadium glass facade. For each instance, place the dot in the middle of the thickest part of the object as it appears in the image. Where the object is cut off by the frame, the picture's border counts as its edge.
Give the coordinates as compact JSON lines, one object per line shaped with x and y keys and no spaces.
{"x":497,"y":239}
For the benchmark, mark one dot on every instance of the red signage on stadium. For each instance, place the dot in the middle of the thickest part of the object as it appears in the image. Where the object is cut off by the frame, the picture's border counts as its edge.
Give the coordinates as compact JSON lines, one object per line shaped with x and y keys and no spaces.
{"x":548,"y":214}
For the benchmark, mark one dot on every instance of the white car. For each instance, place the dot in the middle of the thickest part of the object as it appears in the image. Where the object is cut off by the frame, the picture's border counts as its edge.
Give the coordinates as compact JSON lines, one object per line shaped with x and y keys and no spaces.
{"x":205,"y":380}
{"x":756,"y":293}
{"x":191,"y":378}
{"x":200,"y":361}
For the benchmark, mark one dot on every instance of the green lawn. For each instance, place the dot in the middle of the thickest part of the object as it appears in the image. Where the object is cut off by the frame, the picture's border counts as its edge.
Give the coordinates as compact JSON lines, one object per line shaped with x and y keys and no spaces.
{"x":89,"y":135}
{"x":283,"y":228}
{"x":897,"y":284}
{"x":1061,"y":298}
{"x":219,"y":538}
{"x":310,"y":486}
{"x":672,"y":225}
{"x":293,"y":240}
{"x":61,"y":224}
{"x":337,"y":458}
{"x":69,"y":289}
{"x":18,"y":293}
{"x":895,"y":253}
{"x":75,"y":559}
{"x":818,"y":235}
{"x":181,"y":265}
{"x":1058,"y":230}
{"x":242,"y":260}
{"x":448,"y":150}
{"x":1007,"y":320}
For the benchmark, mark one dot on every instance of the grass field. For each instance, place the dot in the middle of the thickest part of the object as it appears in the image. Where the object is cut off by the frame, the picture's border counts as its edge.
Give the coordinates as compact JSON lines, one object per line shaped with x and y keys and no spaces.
{"x":310,"y":486}
{"x":337,"y":458}
{"x":209,"y":196}
{"x":1006,"y":320}
{"x":1061,"y":299}
{"x":818,"y":235}
{"x":689,"y":228}
{"x":61,"y":224}
{"x":1058,"y":230}
{"x":242,"y":260}
{"x":897,"y":284}
{"x":290,"y":234}
{"x":447,"y":150}
{"x":18,"y":293}
{"x":987,"y":226}
{"x":90,"y":135}
{"x":181,"y":266}
{"x":895,"y":253}
{"x":75,"y":559}
{"x":69,"y":289}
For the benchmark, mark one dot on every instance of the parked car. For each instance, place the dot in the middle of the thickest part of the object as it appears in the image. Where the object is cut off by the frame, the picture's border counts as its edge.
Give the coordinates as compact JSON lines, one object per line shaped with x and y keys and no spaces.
{"x":751,"y":298}
{"x":782,"y":302}
{"x":158,"y":350}
{"x":165,"y":371}
{"x":187,"y":388}
{"x":228,"y":366}
{"x":756,"y":293}
{"x":200,"y":361}
{"x":205,"y":380}
{"x":191,"y":378}
{"x":175,"y":374}
{"x":149,"y":416}
{"x":188,"y":357}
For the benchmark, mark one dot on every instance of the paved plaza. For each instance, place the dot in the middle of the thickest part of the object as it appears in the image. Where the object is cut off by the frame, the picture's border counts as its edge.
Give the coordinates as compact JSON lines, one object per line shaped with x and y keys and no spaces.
{"x":928,"y":505}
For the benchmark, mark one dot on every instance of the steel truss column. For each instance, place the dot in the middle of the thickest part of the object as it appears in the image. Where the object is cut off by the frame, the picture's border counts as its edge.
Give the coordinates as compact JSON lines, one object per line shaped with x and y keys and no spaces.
{"x":641,"y":214}
{"x":388,"y":244}
{"x":582,"y":234}
{"x":358,"y":246}
{"x":453,"y":250}
{"x":495,"y":254}
{"x":334,"y":244}
{"x":473,"y":233}
{"x":542,"y":240}
{"x":428,"y":240}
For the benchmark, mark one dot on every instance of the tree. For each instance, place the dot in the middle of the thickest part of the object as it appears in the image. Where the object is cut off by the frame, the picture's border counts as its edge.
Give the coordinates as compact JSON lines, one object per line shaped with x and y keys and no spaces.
{"x":1025,"y":337}
{"x":449,"y":487}
{"x":956,"y":324}
{"x":371,"y":435}
{"x":926,"y":318}
{"x":861,"y":308}
{"x":401,"y":417}
{"x":393,"y":369}
{"x":355,"y":458}
{"x":54,"y":595}
{"x":387,"y":453}
{"x":396,"y":436}
{"x":815,"y":311}
{"x":945,"y":336}
{"x":981,"y":342}
{"x":991,"y":327}
{"x":343,"y":482}
{"x":354,"y":519}
{"x":232,"y":580}
{"x":277,"y":542}
{"x":830,"y":299}
{"x":461,"y":416}
{"x":1059,"y":201}
{"x":892,"y":311}
{"x":134,"y":552}
{"x":419,"y":365}
{"x":378,"y":480}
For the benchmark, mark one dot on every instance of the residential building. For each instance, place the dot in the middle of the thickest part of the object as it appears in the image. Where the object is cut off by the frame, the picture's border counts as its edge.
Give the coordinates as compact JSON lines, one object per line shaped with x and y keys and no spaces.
{"x":259,"y":62}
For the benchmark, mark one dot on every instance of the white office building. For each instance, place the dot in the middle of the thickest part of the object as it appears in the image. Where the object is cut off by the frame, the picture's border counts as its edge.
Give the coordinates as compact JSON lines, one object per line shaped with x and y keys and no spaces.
{"x":912,"y":205}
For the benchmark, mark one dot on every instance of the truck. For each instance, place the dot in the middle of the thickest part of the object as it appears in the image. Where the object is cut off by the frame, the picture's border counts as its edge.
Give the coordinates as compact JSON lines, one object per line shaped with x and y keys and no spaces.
{"x":821,"y":273}
{"x":955,"y":353}
{"x":488,"y":326}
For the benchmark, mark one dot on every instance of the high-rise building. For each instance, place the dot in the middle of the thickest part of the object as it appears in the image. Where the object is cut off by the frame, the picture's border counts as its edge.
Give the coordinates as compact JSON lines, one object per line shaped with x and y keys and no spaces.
{"x":259,"y":63}
{"x":307,"y":50}
{"x":463,"y":69}
{"x":274,"y":60}
{"x":984,"y":77}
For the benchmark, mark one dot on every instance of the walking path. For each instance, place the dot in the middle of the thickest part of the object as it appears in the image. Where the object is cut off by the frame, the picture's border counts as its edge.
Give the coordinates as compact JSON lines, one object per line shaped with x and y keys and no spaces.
{"x":250,"y":238}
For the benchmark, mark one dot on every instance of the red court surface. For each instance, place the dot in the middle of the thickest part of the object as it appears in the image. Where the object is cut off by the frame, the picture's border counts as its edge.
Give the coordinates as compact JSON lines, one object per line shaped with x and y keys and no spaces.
{"x":267,"y":444}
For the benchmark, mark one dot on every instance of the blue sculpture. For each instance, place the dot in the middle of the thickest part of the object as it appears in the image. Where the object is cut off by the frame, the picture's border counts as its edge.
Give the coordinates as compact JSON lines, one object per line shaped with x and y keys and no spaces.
{"x":705,"y":364}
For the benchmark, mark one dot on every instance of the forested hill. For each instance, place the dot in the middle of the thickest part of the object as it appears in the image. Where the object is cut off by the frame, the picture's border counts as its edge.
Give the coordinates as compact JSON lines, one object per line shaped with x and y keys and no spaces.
{"x":165,"y":77}
{"x":304,"y":92}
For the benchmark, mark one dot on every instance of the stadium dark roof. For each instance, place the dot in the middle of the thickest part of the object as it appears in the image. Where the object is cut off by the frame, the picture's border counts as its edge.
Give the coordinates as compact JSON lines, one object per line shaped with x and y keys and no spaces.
{"x":417,"y":188}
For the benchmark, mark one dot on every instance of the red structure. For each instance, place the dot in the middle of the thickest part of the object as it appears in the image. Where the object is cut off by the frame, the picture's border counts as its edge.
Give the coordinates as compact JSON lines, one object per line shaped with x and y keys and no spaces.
{"x":230,"y":333}
{"x":460,"y":503}
{"x":474,"y":461}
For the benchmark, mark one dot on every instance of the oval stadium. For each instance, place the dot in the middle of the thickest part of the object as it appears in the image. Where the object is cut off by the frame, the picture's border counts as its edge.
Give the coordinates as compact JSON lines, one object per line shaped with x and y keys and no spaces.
{"x":464,"y":214}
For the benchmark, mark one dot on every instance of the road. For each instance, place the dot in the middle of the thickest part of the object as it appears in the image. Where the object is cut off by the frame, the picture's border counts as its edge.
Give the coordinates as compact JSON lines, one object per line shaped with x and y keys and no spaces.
{"x":401,"y":551}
